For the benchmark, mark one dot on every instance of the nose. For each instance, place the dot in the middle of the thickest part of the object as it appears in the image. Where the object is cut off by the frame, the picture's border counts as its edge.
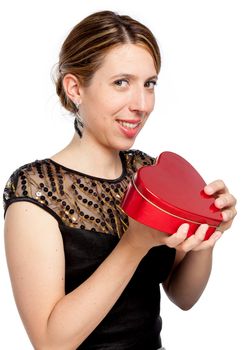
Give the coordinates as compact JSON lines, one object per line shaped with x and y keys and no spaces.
{"x":140,"y":101}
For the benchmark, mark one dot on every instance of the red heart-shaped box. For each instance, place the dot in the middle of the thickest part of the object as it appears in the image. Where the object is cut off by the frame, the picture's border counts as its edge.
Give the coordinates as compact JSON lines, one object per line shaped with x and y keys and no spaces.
{"x":168,"y":194}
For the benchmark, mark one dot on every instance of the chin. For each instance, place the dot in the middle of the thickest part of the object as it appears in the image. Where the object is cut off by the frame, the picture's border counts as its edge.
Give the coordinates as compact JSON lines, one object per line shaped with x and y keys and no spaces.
{"x":124,"y":146}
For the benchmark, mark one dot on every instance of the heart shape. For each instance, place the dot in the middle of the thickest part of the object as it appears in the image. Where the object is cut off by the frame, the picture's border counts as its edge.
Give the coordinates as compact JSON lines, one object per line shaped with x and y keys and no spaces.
{"x":169,"y":193}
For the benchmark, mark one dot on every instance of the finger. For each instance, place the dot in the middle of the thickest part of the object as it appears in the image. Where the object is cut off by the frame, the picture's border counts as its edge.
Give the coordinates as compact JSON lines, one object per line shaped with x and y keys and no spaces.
{"x":210,"y":243}
{"x":225,"y":226}
{"x":196,"y":239}
{"x":225,"y":200}
{"x":229,"y":214}
{"x":177,"y":238}
{"x":215,"y":186}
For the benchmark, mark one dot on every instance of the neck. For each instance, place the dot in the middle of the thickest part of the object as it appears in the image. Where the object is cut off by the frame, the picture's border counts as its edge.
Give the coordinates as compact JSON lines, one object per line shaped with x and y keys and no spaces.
{"x":91,"y":158}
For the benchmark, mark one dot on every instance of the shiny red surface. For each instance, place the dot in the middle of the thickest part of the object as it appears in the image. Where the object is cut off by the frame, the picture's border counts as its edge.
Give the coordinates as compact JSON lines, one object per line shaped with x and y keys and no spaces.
{"x":170,"y":193}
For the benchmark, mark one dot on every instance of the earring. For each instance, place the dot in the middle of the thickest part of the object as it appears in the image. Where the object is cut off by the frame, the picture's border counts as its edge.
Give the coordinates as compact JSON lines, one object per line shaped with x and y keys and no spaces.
{"x":77,"y":104}
{"x":79,"y":121}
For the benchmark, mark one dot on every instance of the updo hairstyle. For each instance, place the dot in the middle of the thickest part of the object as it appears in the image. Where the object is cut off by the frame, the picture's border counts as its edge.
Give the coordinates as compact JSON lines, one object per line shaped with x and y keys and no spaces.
{"x":85,"y":47}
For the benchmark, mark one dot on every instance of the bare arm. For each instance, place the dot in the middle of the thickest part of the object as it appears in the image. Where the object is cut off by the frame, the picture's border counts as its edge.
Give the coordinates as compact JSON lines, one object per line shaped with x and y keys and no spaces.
{"x":35,"y":257}
{"x":189,"y":277}
{"x":193,"y":263}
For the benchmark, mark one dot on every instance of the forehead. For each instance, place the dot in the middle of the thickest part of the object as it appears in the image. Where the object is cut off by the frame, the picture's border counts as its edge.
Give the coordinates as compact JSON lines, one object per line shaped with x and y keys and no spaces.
{"x":130,"y":59}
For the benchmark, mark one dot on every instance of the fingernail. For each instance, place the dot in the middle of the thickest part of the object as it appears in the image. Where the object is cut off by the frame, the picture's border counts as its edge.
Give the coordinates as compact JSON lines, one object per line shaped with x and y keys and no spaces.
{"x":217,"y":235}
{"x":225,"y":216}
{"x":185,"y":228}
{"x":204,"y":230}
{"x":219,"y":202}
{"x":208,"y":189}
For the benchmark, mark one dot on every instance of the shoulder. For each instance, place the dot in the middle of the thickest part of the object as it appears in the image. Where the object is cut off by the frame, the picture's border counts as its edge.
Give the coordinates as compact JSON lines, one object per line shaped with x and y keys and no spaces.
{"x":33,"y":182}
{"x":136,"y":159}
{"x":18,"y":181}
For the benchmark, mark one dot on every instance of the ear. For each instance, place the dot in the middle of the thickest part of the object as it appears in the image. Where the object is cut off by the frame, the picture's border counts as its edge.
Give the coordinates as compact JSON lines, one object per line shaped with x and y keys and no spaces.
{"x":72,"y":88}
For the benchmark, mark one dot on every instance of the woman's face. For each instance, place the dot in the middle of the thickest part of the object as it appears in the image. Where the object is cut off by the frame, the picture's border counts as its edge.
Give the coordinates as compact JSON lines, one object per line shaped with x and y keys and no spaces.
{"x":120,"y":97}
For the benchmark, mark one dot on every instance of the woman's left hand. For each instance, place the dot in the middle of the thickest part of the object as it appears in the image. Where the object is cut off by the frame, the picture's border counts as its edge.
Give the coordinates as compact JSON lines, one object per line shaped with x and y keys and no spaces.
{"x":193,"y":260}
{"x":224,"y":201}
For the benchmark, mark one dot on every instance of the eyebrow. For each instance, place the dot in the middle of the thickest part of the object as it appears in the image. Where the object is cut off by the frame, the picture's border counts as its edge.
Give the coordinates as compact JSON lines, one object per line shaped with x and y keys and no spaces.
{"x":132,"y":76}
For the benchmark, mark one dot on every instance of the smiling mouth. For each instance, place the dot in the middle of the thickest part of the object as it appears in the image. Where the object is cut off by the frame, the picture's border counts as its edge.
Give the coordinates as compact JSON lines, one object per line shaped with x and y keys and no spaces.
{"x":128,"y":125}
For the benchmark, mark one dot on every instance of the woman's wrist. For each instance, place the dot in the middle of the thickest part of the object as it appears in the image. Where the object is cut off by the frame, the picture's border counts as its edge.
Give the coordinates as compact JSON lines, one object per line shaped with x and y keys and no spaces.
{"x":202,"y":252}
{"x":135,"y":249}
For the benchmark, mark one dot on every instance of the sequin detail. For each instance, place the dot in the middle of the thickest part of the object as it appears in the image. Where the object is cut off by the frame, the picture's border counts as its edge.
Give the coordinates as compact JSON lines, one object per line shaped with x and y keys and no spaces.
{"x":75,"y":199}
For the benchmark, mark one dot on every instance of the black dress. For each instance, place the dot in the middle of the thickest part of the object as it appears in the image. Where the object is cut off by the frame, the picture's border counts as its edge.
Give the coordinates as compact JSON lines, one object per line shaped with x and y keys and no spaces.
{"x":91,"y":222}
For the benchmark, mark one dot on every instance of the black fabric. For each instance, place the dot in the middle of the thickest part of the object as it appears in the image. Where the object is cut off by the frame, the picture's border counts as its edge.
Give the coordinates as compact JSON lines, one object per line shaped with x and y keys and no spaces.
{"x":78,"y":200}
{"x":134,"y":321}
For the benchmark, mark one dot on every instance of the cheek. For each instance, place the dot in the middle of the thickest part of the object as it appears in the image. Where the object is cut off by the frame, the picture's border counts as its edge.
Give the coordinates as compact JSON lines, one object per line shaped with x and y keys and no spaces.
{"x":115,"y":102}
{"x":151,"y":103}
{"x":97,"y":107}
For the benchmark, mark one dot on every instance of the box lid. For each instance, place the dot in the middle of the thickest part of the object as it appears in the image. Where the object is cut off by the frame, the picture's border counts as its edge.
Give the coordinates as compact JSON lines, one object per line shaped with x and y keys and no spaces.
{"x":173,"y":185}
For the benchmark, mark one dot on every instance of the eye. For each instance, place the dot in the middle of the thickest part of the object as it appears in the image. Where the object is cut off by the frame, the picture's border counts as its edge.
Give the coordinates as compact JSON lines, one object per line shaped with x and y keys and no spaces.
{"x":150,"y":84}
{"x":121,"y":82}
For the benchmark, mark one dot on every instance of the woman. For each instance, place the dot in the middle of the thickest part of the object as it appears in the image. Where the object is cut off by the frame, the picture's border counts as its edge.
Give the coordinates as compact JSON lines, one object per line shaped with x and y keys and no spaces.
{"x":84,"y":275}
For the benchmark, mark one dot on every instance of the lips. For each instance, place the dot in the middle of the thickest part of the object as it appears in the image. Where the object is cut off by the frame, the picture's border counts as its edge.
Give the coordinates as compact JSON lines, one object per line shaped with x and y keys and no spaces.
{"x":129,"y":128}
{"x":129,"y":123}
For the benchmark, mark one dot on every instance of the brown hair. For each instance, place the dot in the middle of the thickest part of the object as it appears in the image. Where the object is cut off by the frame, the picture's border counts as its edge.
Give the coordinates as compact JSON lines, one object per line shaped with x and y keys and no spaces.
{"x":88,"y":42}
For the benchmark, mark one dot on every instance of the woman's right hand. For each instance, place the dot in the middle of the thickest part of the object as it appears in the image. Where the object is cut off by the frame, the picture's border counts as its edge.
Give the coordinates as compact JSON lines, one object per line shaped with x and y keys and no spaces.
{"x":142,"y":237}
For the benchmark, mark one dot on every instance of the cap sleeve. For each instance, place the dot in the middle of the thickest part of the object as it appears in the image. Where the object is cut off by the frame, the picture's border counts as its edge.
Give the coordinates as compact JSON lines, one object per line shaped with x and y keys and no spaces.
{"x":24,"y":185}
{"x":138,"y":159}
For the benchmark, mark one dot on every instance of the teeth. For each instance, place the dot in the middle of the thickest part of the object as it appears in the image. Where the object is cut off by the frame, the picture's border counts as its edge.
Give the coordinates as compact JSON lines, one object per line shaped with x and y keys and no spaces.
{"x":128,"y":125}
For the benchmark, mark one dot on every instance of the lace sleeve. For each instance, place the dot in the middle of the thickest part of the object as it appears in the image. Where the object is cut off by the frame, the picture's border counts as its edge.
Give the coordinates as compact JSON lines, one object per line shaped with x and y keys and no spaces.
{"x":23,"y":185}
{"x":10,"y":190}
{"x":140,"y":159}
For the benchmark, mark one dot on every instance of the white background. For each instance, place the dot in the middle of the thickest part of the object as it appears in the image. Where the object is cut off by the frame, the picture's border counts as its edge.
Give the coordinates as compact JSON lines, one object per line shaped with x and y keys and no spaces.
{"x":201,"y":113}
